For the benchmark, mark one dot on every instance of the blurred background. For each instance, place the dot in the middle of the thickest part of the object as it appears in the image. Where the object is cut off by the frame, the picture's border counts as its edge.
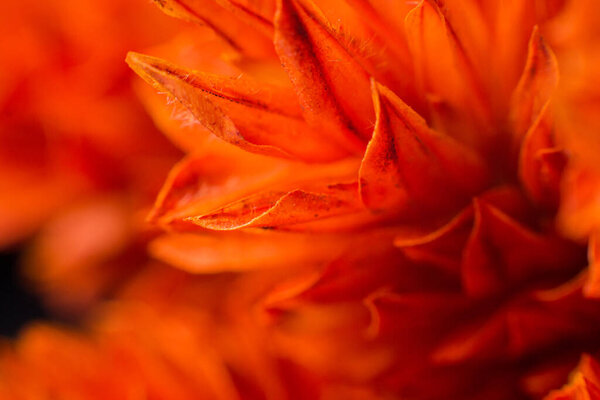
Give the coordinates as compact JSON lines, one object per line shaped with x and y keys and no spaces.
{"x":18,"y":305}
{"x":79,"y":156}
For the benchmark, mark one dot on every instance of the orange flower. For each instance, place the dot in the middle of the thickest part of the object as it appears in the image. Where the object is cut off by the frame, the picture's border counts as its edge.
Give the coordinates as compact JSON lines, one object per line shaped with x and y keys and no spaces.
{"x":397,"y":206}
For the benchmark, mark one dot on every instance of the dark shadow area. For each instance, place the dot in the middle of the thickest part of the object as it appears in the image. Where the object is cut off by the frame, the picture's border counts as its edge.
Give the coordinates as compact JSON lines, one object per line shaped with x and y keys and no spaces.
{"x":17,"y":305}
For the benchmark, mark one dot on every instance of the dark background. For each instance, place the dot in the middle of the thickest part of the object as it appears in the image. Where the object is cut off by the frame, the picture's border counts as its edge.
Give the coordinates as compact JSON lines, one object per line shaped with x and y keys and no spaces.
{"x":17,"y":305}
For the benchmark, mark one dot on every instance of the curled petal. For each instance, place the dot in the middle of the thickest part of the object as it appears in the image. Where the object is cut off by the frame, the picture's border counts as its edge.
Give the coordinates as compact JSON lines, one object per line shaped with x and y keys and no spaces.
{"x":419,"y":316}
{"x":455,"y":224}
{"x":407,"y":164}
{"x":501,"y":252}
{"x":199,"y":50}
{"x":441,"y":247}
{"x":259,"y":118}
{"x":568,"y":291}
{"x":541,"y":163}
{"x":368,"y":264}
{"x":473,"y":342}
{"x":276,"y":209}
{"x":508,"y":334}
{"x":201,"y":183}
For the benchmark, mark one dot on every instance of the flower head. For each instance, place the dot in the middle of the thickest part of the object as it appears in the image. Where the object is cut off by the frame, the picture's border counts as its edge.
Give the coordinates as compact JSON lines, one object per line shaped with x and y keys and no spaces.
{"x":376,"y":202}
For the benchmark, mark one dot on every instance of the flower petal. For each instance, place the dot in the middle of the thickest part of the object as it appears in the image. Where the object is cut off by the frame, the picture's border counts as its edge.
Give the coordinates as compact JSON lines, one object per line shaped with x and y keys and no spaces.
{"x":332,"y":87}
{"x":408,"y":165}
{"x":441,"y":247}
{"x":203,"y":182}
{"x":541,"y":164}
{"x":509,"y":333}
{"x":369,"y":32}
{"x":259,"y":118}
{"x":247,"y":35}
{"x":243,"y":251}
{"x":536,"y":86}
{"x":422,"y":317}
{"x":279,"y":209}
{"x":501,"y":252}
{"x":446,"y":75}
{"x":223,"y":175}
{"x":512,"y":24}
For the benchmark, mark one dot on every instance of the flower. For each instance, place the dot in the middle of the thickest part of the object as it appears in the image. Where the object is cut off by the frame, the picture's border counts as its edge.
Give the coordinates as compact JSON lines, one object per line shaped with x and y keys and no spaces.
{"x":398,"y":205}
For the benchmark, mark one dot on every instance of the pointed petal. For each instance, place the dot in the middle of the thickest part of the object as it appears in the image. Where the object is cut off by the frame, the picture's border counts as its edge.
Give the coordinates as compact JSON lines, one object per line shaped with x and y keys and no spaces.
{"x":204,"y":182}
{"x":509,"y":333}
{"x":508,"y":199}
{"x":541,"y":164}
{"x":536,"y":86}
{"x":447,"y":229}
{"x":257,"y":13}
{"x":565,"y":291}
{"x":442,"y":244}
{"x":386,"y":22}
{"x":419,"y":317}
{"x":475,"y":341}
{"x":370,"y":33}
{"x":446,"y":74}
{"x":407,"y":164}
{"x":274,"y":209}
{"x":500,"y":253}
{"x":257,"y":117}
{"x":248,"y":36}
{"x":177,"y":124}
{"x":198,"y":49}
{"x":332,"y":88}
{"x":512,"y":23}
{"x":368,"y":264}
{"x":441,"y":247}
{"x":466,"y":21}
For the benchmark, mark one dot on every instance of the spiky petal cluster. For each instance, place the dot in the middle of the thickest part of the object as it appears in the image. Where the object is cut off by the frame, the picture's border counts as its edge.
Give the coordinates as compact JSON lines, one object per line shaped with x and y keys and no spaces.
{"x":379,"y":218}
